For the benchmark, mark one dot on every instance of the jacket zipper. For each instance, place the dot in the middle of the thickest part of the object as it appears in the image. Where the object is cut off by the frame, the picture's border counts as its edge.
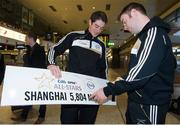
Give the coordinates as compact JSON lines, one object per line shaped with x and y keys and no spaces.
{"x":90,"y":43}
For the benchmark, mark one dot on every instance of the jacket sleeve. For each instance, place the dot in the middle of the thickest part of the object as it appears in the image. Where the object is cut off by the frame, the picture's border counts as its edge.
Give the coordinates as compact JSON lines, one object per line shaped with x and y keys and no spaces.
{"x":59,"y":48}
{"x":149,"y":59}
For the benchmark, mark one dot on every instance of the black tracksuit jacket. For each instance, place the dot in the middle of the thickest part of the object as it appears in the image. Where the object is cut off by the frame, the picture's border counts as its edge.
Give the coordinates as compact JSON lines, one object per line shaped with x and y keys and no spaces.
{"x":37,"y":57}
{"x":151,"y":68}
{"x":86,"y":53}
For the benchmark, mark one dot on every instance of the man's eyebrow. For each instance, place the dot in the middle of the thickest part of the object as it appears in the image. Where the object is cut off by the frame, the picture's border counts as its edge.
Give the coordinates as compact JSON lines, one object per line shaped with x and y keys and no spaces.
{"x":97,"y":25}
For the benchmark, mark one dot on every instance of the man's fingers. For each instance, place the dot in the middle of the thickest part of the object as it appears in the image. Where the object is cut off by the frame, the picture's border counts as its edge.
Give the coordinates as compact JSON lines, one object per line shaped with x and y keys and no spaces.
{"x":98,"y":96}
{"x":55,"y":71}
{"x":92,"y":96}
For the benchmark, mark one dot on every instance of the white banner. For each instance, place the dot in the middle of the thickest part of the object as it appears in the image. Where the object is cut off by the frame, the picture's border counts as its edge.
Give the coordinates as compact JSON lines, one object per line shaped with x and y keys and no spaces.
{"x":33,"y":86}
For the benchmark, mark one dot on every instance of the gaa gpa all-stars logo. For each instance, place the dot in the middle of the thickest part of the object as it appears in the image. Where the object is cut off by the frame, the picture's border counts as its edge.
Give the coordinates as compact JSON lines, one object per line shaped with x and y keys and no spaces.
{"x":90,"y":85}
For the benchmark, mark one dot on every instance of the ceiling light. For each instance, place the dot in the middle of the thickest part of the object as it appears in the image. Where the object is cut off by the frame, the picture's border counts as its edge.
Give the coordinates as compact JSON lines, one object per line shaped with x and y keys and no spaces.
{"x":93,"y":8}
{"x":64,"y":21}
{"x":79,"y":7}
{"x":52,"y":8}
{"x":108,"y":7}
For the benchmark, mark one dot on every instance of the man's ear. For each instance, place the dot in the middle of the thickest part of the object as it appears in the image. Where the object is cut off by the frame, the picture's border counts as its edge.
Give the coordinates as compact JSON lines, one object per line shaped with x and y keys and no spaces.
{"x":90,"y":22}
{"x":133,"y":12}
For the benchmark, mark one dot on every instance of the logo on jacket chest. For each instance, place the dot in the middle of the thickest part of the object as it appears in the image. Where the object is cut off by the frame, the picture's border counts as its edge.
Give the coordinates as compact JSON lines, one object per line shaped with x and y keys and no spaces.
{"x":87,"y":44}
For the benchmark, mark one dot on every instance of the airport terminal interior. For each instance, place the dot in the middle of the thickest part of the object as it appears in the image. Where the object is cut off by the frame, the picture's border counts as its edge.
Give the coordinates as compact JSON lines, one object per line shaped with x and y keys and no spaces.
{"x":51,"y":20}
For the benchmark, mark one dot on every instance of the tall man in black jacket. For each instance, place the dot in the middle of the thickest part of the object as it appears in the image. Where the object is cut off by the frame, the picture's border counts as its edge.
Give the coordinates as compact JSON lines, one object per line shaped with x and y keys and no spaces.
{"x":36,"y":59}
{"x":86,"y":56}
{"x":149,"y":82}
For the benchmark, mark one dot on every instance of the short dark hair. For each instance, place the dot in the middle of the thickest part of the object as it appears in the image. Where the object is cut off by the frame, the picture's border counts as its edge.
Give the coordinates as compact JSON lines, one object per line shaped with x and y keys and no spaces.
{"x":99,"y":15}
{"x":131,"y":6}
{"x":32,"y":35}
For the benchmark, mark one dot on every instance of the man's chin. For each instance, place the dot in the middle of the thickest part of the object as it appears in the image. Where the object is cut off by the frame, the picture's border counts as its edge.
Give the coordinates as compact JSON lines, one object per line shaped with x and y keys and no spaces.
{"x":95,"y":35}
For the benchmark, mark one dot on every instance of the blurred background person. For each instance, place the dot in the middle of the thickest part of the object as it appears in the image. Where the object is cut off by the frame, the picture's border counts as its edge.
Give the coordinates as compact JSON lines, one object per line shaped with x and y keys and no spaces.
{"x":35,"y":57}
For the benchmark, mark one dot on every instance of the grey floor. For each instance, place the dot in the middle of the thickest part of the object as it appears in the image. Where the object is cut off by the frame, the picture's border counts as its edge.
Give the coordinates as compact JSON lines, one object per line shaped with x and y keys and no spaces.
{"x":106,"y":114}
